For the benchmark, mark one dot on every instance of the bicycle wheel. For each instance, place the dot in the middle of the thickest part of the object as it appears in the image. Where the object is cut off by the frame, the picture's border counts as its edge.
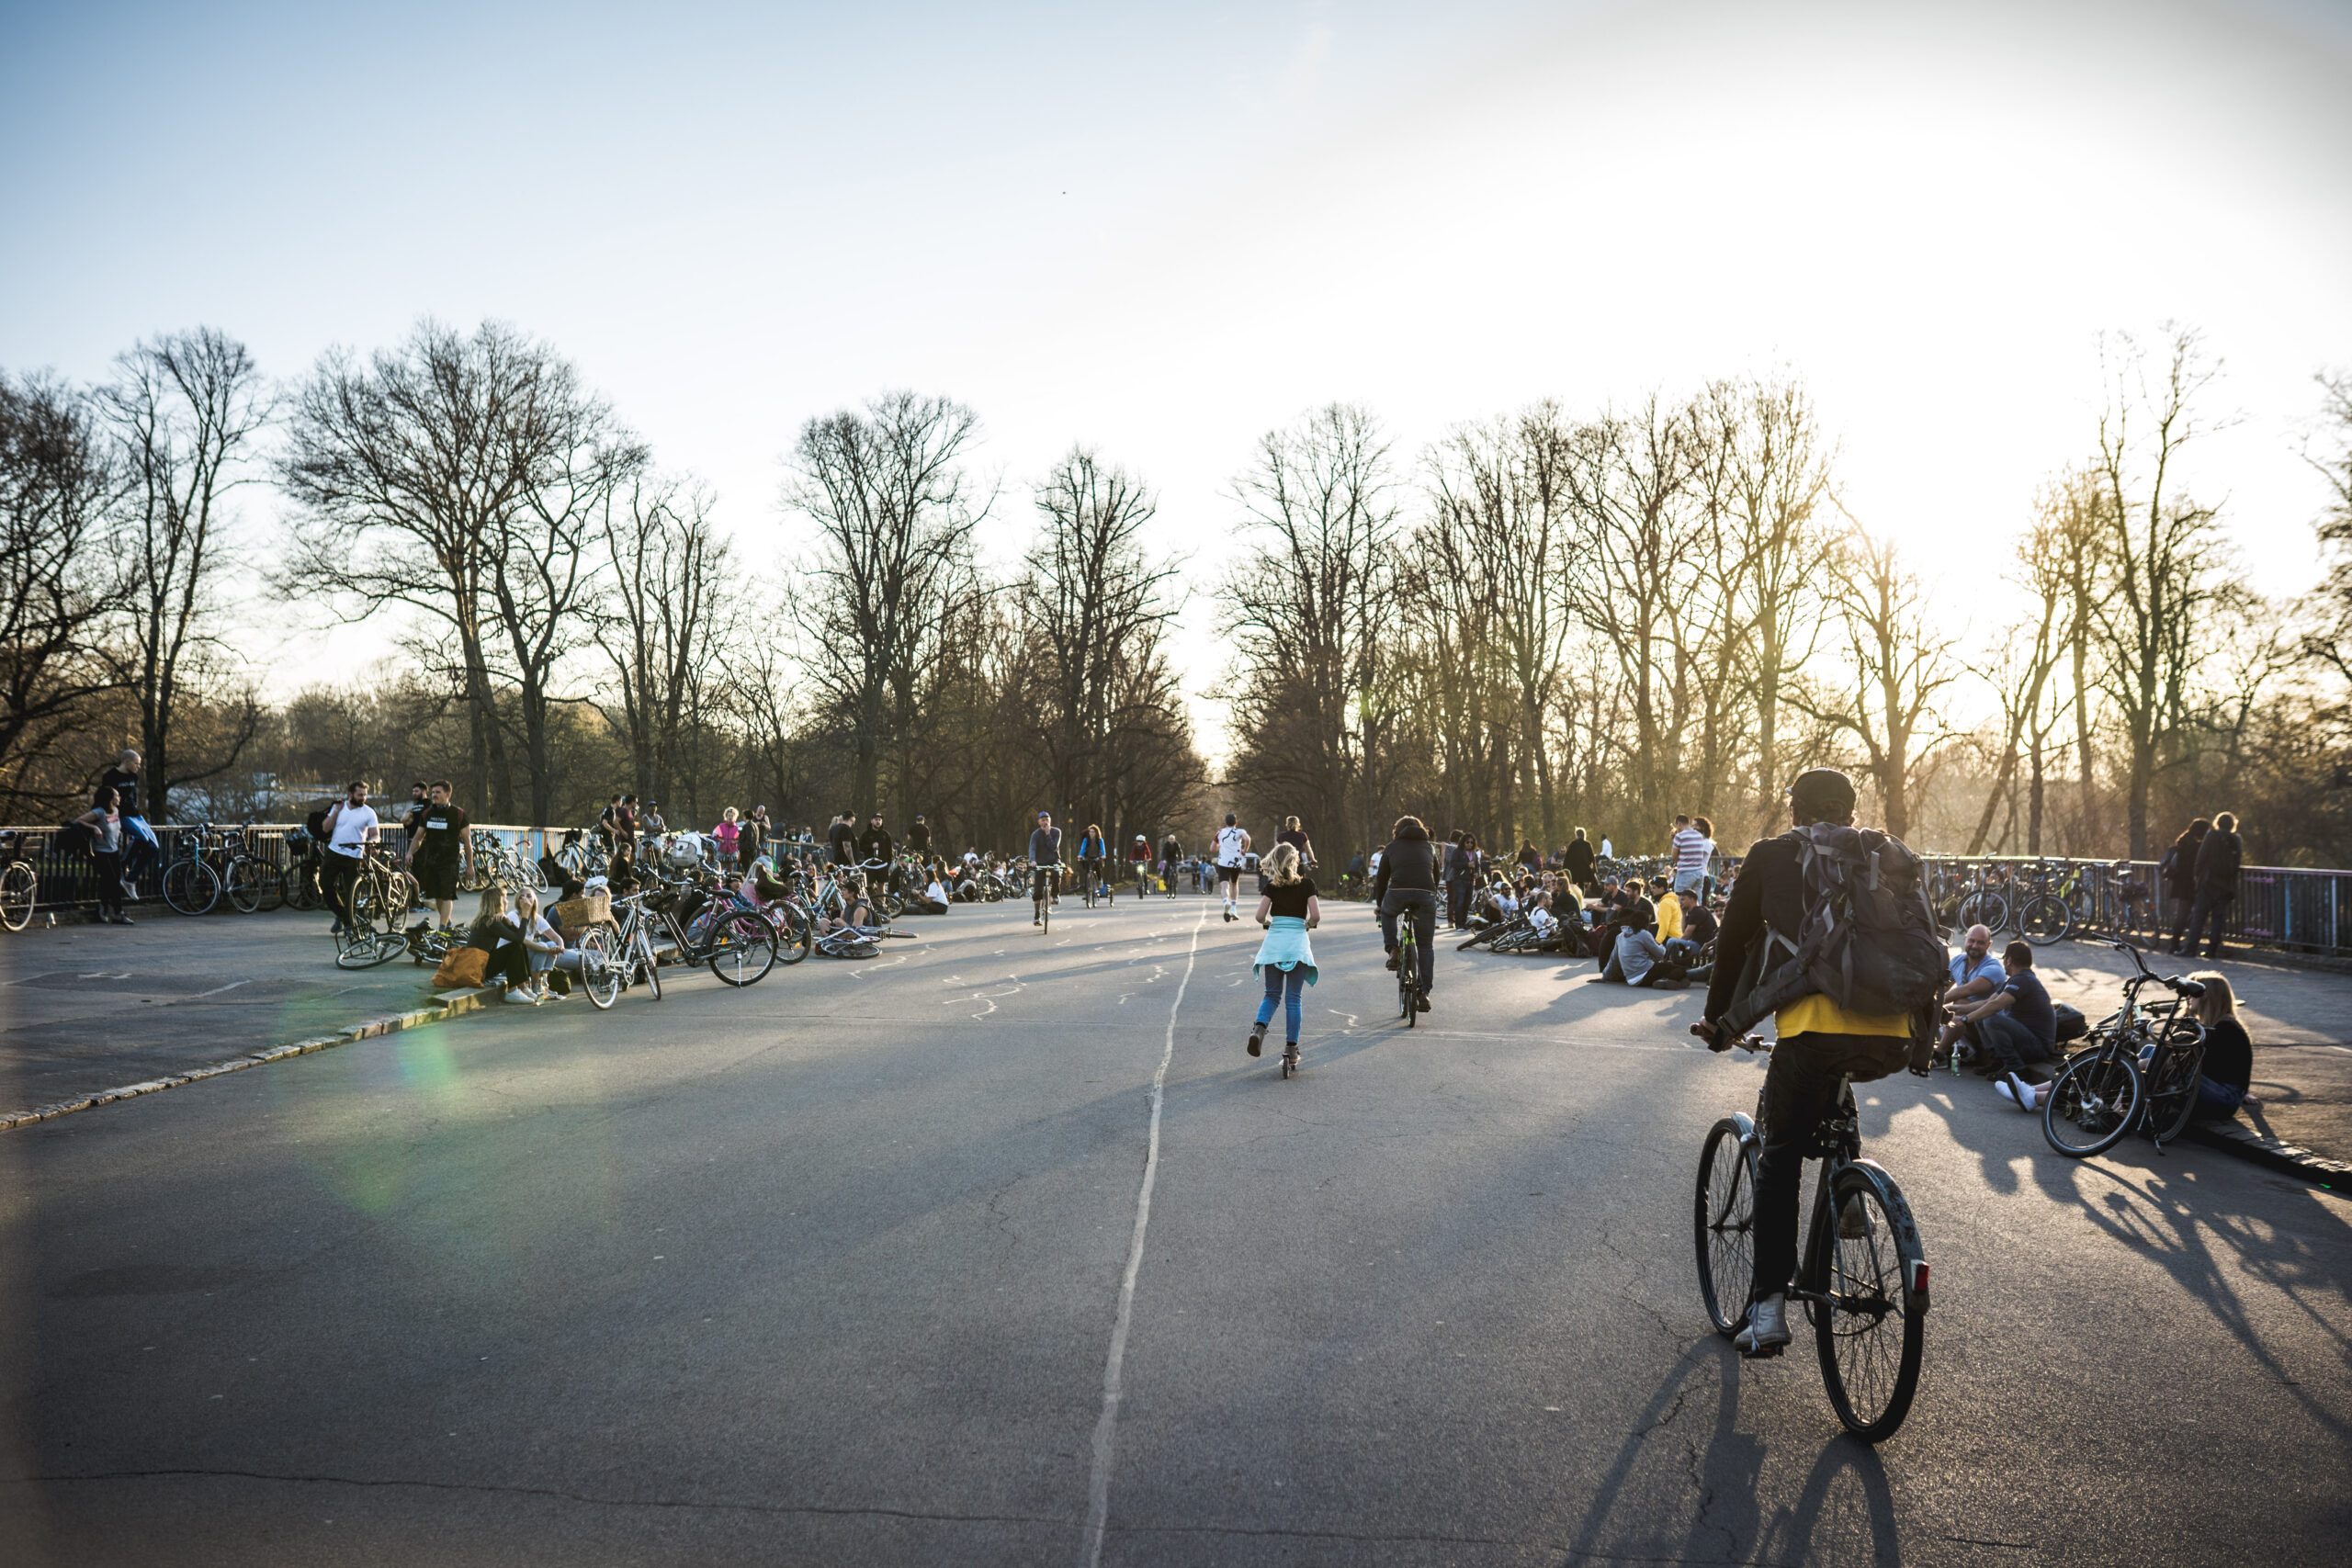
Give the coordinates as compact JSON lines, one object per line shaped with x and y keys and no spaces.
{"x":600,"y":967}
{"x":1866,"y":1333}
{"x":2171,"y":1081}
{"x":2044,"y":919}
{"x":272,"y":883}
{"x":302,"y":886}
{"x":1987,"y":910}
{"x":2095,"y":1101}
{"x":794,"y":933}
{"x":191,"y":887}
{"x":19,"y":886}
{"x":648,"y":965}
{"x":746,"y":951}
{"x":1723,"y":1218}
{"x":368,"y":949}
{"x":1408,"y":972}
{"x":245,"y":881}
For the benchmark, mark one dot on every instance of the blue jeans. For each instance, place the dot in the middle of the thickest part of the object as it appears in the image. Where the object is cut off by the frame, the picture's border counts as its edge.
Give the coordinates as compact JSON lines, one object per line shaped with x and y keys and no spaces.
{"x":1690,"y":881}
{"x":2217,"y":1099}
{"x":1681,"y":948}
{"x":1286,"y":985}
{"x":1422,"y":903}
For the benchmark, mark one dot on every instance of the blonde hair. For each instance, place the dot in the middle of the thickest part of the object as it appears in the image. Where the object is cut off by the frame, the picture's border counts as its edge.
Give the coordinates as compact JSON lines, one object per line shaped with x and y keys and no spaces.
{"x":2218,"y":1002}
{"x":493,"y":904}
{"x":1281,"y":866}
{"x":1289,"y":822}
{"x":526,"y":904}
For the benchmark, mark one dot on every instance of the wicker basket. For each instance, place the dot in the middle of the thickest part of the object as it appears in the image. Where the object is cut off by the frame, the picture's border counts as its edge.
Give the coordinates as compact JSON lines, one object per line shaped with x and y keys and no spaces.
{"x":589,"y":909}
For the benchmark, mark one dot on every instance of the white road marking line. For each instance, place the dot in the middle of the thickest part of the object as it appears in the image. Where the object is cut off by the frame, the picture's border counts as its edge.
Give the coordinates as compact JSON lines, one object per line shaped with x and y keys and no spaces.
{"x":1098,"y":1510}
{"x":218,"y":990}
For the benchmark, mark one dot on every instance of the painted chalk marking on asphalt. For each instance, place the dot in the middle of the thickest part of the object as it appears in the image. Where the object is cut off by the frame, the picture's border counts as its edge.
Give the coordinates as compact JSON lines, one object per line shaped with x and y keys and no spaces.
{"x":1098,"y":1507}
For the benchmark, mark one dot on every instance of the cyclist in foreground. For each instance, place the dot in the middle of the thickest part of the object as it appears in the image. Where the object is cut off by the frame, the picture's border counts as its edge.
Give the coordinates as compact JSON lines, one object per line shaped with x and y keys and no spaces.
{"x":1820,"y":1044}
{"x":1045,"y":864}
{"x":1406,"y":884}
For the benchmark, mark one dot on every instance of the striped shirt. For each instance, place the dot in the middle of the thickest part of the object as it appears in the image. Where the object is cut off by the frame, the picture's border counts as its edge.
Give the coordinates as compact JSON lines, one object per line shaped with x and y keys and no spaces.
{"x":1690,"y":850}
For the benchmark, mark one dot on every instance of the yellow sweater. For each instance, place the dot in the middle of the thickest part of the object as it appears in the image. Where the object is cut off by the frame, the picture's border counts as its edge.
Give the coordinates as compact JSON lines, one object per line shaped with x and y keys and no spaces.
{"x":1669,"y":917}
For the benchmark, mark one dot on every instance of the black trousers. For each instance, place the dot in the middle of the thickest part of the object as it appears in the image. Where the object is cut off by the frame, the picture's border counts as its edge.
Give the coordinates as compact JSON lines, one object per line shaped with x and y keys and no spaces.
{"x":1800,"y":1088}
{"x":2212,"y":904}
{"x":336,"y":874}
{"x":107,"y":866}
{"x":510,"y":964}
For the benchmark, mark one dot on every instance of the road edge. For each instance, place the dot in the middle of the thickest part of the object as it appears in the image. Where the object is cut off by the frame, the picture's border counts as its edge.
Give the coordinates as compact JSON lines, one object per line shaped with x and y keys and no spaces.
{"x":436,"y":1012}
{"x":2236,"y":1138}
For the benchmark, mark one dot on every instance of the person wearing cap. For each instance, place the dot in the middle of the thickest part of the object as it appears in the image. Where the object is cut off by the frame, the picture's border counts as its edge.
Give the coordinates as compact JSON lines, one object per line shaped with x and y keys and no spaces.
{"x":874,"y":843}
{"x":1820,"y":1044}
{"x":919,"y":838}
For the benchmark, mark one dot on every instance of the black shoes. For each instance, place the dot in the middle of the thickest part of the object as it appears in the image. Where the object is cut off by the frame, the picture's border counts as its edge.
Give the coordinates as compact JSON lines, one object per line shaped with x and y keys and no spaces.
{"x":1392,"y":960}
{"x":1257,"y":1038}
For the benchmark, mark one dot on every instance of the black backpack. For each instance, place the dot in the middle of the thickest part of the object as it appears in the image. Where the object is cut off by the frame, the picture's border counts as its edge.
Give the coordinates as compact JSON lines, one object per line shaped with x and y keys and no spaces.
{"x":1869,"y":940}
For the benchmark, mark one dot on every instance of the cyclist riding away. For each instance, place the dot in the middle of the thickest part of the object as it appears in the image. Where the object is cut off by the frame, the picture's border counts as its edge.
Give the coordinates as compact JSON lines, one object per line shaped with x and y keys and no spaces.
{"x":1046,"y":863}
{"x":1170,"y":851}
{"x":1820,"y":1044}
{"x":1406,"y":884}
{"x":1232,"y":845}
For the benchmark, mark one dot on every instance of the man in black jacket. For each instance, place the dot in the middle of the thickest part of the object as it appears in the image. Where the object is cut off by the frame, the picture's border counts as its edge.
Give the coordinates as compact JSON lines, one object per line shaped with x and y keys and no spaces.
{"x":1819,"y":1045}
{"x":2218,"y":859}
{"x":874,"y":843}
{"x":1408,"y":884}
{"x":1580,"y":861}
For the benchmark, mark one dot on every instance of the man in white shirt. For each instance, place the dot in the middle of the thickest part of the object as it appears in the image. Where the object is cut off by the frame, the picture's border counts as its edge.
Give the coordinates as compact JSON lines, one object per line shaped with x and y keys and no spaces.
{"x":350,"y":826}
{"x":1232,"y":846}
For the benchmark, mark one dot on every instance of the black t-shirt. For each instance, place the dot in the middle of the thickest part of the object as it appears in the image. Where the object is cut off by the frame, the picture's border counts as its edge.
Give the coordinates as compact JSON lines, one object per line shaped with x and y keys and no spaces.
{"x":1171,"y":849}
{"x":1698,"y":925}
{"x":1291,"y":901}
{"x":919,"y":838}
{"x":444,"y":832}
{"x":2229,"y":1054}
{"x":126,"y":789}
{"x":2031,"y":1006}
{"x":839,"y":836}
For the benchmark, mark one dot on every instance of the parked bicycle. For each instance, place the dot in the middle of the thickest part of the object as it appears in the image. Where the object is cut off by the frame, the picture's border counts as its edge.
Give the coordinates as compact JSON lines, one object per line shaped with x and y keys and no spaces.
{"x":2138,"y":1069}
{"x":19,"y":882}
{"x":212,"y":863}
{"x":1863,"y":1274}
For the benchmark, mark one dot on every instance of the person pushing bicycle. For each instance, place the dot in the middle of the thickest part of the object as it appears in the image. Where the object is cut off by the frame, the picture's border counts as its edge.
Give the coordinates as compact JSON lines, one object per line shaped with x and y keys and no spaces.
{"x":1821,"y":1045}
{"x":1045,"y":864}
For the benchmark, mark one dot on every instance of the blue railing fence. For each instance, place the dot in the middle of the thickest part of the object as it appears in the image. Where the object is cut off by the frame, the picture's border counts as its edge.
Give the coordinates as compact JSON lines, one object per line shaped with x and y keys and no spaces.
{"x":2292,"y":908}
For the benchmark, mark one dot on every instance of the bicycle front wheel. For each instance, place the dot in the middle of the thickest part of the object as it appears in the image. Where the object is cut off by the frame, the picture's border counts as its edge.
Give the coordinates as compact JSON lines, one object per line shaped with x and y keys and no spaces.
{"x":19,"y":886}
{"x":2095,"y":1102}
{"x":796,"y":933}
{"x":600,"y":967}
{"x":2171,"y":1081}
{"x":368,"y":949}
{"x":1723,"y":1217}
{"x":650,"y":965}
{"x":2044,"y":919}
{"x":1865,"y":1328}
{"x":246,"y":882}
{"x":1987,"y":910}
{"x":746,"y":951}
{"x":191,"y":887}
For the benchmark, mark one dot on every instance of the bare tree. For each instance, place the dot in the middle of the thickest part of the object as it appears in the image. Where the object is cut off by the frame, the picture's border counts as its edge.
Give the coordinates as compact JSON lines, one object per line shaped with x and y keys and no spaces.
{"x":895,"y":512}
{"x":671,"y":583}
{"x":1319,"y":514}
{"x":2160,"y":554}
{"x":185,"y":410}
{"x":463,"y":478}
{"x":1902,"y":664}
{"x":60,"y":577}
{"x":2331,"y":645}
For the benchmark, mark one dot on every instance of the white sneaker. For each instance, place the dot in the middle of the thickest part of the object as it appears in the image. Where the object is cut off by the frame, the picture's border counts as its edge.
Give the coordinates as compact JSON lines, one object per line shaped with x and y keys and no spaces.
{"x":521,"y":997}
{"x":2024,"y":1092}
{"x":1768,"y":1328}
{"x":2005,"y":1091}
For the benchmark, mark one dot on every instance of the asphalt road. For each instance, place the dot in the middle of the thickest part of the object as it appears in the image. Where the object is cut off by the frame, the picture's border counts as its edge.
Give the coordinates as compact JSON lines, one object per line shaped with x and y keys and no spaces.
{"x":828,"y":1271}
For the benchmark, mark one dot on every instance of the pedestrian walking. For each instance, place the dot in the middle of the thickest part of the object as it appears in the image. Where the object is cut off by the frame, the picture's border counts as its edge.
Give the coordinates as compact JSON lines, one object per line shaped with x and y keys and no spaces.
{"x":2218,"y":859}
{"x":1287,"y":910}
{"x":440,"y":851}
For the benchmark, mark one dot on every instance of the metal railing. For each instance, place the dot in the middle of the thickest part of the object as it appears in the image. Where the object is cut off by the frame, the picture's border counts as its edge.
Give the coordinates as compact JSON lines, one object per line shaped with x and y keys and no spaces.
{"x":2291,"y":909}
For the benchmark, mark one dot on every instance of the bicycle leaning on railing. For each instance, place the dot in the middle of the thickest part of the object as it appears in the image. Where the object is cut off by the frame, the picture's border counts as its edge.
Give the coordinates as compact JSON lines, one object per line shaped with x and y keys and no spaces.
{"x":1864,"y":1274}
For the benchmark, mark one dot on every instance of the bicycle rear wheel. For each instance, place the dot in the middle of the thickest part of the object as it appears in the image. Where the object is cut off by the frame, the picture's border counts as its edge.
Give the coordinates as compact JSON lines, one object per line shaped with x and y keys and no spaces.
{"x":1987,"y":910}
{"x":1407,"y":987}
{"x":794,"y":933}
{"x":19,"y":886}
{"x":1723,"y":1218}
{"x":600,"y":967}
{"x":746,"y":951}
{"x":2095,"y":1101}
{"x":247,"y":879}
{"x":649,"y":964}
{"x":368,"y":949}
{"x":2044,"y":919}
{"x":1866,"y":1332}
{"x":191,"y":887}
{"x":2171,"y":1081}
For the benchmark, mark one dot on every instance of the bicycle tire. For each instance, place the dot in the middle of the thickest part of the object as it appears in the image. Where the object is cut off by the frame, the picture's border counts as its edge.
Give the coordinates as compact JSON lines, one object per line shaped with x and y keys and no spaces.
{"x":19,"y":891}
{"x":749,"y":951}
{"x":1871,"y":1381}
{"x":2171,"y":1081}
{"x":2044,"y":919}
{"x":2098,"y":1097}
{"x":273,"y":884}
{"x":191,"y":887}
{"x":1723,"y":1219}
{"x":368,"y":951}
{"x":650,"y":965}
{"x":1987,"y":910}
{"x":243,"y":885}
{"x":1408,"y":987}
{"x":600,"y":969}
{"x":796,"y":934}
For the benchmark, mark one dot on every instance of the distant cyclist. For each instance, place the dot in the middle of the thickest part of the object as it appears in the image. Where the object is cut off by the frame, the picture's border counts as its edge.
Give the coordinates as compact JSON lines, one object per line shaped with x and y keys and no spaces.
{"x":1139,"y":863}
{"x":1232,"y":847}
{"x":1170,"y":851}
{"x":1093,"y":860}
{"x":1406,"y":884}
{"x":1296,"y":836}
{"x":1045,"y":864}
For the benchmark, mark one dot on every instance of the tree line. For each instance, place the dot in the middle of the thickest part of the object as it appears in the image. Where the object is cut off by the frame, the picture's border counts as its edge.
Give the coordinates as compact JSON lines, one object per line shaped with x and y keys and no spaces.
{"x":1542,"y":621}
{"x":1552,"y":620}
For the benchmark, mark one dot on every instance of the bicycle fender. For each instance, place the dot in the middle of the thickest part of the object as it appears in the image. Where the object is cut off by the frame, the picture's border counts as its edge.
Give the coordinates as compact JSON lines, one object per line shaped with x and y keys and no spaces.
{"x":1907,"y":1244}
{"x":1747,"y":1125}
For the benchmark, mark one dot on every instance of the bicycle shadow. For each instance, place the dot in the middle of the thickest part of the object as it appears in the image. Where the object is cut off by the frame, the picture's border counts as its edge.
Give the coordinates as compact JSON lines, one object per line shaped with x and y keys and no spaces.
{"x":1728,"y":1469}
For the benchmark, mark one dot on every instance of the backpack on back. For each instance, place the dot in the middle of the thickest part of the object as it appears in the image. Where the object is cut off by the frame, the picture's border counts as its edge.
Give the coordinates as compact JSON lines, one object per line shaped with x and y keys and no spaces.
{"x":1869,"y":940}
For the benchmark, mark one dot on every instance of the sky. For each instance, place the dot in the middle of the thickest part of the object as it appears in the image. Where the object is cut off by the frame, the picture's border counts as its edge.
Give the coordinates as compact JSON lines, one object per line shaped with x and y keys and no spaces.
{"x":1160,"y":231}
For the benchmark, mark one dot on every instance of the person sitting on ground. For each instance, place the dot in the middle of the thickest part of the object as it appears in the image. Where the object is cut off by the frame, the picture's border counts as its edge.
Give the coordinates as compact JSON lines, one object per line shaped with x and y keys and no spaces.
{"x":1640,"y":959}
{"x":497,"y":933}
{"x":1975,"y":974}
{"x":2226,"y":1071}
{"x":540,"y":942}
{"x":2016,"y":1024}
{"x":1698,"y":926}
{"x":1669,"y":910}
{"x":856,"y":911}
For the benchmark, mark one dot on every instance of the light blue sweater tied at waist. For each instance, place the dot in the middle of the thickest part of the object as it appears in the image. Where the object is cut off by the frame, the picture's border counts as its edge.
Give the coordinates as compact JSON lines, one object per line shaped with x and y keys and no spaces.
{"x":1286,"y":947}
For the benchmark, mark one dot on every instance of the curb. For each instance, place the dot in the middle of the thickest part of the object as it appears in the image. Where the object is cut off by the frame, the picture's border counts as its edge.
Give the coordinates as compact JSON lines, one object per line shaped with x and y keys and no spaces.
{"x":2285,"y":1158}
{"x":446,"y":1008}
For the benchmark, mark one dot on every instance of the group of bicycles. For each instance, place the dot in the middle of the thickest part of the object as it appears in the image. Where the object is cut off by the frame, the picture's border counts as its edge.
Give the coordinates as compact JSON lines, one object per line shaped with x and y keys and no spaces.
{"x":2045,"y":902}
